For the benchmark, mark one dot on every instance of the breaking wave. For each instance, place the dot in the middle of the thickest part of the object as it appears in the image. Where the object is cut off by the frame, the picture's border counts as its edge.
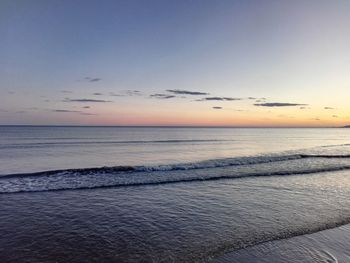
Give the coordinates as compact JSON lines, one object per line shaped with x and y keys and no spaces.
{"x":217,"y":169}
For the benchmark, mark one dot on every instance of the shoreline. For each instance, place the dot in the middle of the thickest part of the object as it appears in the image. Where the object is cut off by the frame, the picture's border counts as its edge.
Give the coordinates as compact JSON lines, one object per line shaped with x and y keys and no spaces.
{"x":330,"y":245}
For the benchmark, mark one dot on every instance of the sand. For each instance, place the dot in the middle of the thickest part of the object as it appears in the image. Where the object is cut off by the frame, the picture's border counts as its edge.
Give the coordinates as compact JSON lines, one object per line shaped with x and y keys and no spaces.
{"x":332,"y":245}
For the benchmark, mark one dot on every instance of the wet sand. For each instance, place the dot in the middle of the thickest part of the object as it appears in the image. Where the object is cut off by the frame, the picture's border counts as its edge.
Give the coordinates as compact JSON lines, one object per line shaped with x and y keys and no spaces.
{"x":332,"y":245}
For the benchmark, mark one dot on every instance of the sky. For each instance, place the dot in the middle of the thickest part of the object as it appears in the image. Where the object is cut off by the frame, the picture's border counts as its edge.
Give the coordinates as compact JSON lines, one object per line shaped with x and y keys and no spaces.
{"x":185,"y":62}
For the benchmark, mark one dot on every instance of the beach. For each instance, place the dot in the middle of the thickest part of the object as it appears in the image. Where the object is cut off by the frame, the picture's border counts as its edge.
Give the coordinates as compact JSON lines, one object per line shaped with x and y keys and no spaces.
{"x":330,"y":245}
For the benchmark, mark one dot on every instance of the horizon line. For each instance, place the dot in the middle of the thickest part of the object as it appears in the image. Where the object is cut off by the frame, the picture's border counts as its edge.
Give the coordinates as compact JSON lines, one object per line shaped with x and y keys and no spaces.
{"x":165,"y":126}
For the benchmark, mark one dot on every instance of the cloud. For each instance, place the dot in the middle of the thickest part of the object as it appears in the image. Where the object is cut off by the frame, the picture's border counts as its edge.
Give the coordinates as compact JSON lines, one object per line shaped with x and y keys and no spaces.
{"x":86,"y":107}
{"x":162,"y":96}
{"x":73,"y":111}
{"x":126,"y":93}
{"x":329,"y":108}
{"x":217,"y":108}
{"x":66,"y":91}
{"x":97,"y":94}
{"x":279,"y":104}
{"x":259,"y":99}
{"x":87,"y":114}
{"x":85,"y":100}
{"x":93,"y":79}
{"x":133,"y":92}
{"x":186,"y":92}
{"x":231,"y":99}
{"x":3,"y":110}
{"x":219,"y":99}
{"x":115,"y":94}
{"x":64,"y":111}
{"x":335,"y":116}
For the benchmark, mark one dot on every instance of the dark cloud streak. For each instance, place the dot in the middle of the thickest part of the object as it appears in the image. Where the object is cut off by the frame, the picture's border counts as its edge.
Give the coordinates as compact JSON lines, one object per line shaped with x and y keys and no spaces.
{"x":93,"y":79}
{"x":65,"y":111}
{"x":162,"y":96}
{"x":86,"y":100}
{"x":219,"y":99}
{"x":186,"y":92}
{"x":279,"y":104}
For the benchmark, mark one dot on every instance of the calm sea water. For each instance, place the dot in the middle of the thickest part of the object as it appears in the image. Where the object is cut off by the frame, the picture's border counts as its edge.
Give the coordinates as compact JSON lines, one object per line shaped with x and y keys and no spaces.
{"x":108,"y":194}
{"x":34,"y":149}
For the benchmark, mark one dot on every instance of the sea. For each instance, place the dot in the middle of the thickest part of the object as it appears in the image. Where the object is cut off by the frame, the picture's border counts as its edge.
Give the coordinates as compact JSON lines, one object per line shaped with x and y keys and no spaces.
{"x":174,"y":194}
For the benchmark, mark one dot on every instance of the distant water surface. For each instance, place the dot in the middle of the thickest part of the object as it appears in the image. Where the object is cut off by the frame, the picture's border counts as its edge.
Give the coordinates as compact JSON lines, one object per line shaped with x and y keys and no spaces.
{"x":34,"y":149}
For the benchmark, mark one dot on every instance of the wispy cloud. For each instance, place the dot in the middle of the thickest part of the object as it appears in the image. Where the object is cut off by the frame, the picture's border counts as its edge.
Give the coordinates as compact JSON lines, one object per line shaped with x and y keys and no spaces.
{"x":279,"y":104}
{"x":162,"y":96}
{"x":257,"y":100}
{"x":186,"y":92}
{"x":65,"y":111}
{"x":116,"y":94}
{"x":97,"y":94}
{"x":85,"y":100}
{"x":66,"y":91}
{"x":126,"y":93}
{"x":133,"y":92}
{"x":219,"y":99}
{"x":217,"y":108}
{"x":88,"y":114}
{"x":329,"y":108}
{"x":86,"y":107}
{"x":92,"y":79}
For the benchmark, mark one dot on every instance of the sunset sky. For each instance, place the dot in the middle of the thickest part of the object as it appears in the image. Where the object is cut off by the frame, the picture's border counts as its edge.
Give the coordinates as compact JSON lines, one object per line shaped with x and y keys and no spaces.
{"x":220,"y":63}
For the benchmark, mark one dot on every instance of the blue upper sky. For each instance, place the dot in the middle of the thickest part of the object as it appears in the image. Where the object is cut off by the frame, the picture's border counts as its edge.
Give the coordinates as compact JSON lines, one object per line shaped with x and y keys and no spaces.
{"x":64,"y":62}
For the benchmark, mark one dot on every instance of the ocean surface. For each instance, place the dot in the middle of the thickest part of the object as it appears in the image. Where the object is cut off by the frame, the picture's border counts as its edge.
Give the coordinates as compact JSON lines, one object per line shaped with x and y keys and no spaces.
{"x":131,"y":194}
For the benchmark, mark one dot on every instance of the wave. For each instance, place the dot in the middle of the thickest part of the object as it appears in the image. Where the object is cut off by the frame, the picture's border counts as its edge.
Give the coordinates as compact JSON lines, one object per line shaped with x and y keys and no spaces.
{"x":328,"y":156}
{"x":125,"y":176}
{"x":215,"y":163}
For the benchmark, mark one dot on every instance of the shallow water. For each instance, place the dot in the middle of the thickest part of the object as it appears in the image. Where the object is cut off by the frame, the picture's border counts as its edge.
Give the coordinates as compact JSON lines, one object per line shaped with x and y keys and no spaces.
{"x":328,"y":246}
